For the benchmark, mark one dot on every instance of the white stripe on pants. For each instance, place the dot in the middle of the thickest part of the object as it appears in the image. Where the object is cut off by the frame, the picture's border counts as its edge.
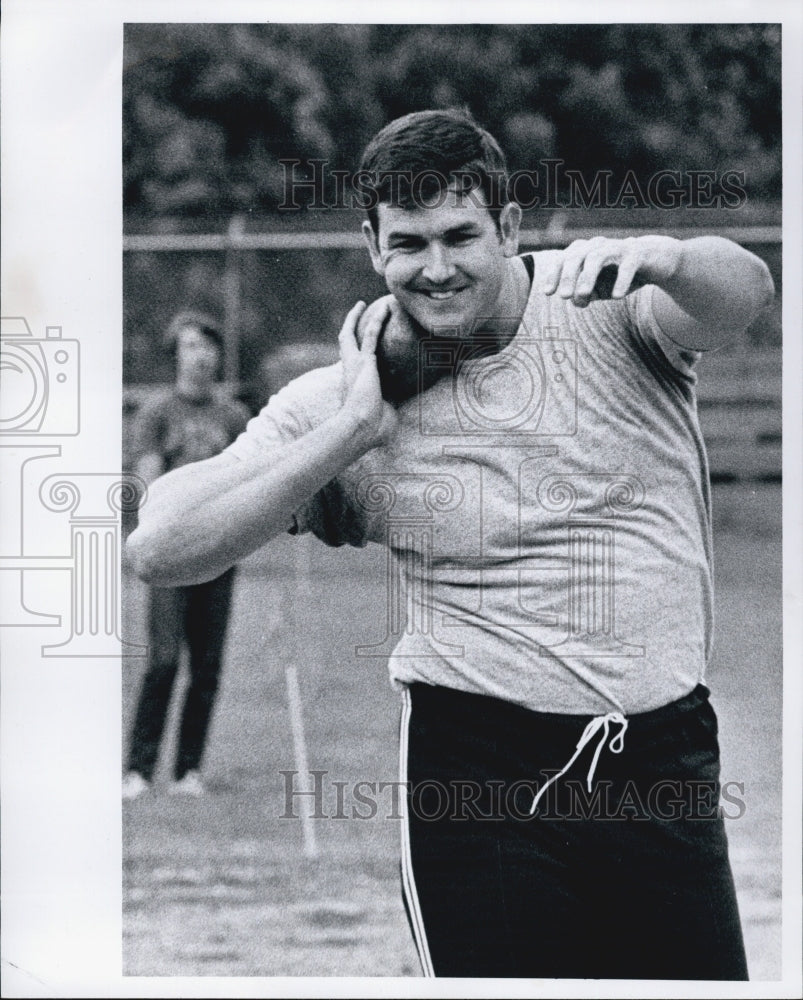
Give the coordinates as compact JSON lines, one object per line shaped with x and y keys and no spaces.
{"x":408,"y":879}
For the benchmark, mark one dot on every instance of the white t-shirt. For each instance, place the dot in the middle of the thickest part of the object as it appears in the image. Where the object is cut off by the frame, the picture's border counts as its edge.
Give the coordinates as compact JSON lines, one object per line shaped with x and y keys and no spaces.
{"x":547,"y":508}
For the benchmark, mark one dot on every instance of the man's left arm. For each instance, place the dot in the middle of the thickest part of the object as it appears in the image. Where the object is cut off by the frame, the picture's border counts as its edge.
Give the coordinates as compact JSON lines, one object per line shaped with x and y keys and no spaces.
{"x":708,"y":289}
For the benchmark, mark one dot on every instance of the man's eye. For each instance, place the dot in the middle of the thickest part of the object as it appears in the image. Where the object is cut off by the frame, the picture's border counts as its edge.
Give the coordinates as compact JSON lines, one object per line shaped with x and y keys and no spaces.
{"x":406,"y":245}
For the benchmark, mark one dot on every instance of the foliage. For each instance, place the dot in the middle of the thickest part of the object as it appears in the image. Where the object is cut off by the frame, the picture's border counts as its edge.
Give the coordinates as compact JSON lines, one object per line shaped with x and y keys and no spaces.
{"x":210,"y":110}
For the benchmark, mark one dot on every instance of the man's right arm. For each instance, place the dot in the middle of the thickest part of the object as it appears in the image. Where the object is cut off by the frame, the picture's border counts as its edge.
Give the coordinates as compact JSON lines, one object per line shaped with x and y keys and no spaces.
{"x":202,"y":518}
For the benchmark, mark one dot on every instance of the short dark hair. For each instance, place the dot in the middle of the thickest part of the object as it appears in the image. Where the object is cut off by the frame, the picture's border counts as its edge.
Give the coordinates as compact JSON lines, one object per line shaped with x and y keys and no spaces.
{"x":439,"y":148}
{"x":208,"y":326}
{"x":200,"y":321}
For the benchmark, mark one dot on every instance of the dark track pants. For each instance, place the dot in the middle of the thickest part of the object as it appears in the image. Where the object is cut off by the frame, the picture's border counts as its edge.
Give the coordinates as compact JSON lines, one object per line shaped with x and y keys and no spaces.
{"x":630,"y":880}
{"x":196,"y":615}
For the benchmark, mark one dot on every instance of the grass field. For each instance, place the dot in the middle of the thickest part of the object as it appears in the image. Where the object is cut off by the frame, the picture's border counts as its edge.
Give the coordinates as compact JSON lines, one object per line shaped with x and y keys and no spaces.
{"x":220,"y":886}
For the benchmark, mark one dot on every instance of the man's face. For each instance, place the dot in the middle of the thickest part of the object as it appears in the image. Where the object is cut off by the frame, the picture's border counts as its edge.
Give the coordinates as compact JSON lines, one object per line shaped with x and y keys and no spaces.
{"x":197,"y":356}
{"x":446,"y":264}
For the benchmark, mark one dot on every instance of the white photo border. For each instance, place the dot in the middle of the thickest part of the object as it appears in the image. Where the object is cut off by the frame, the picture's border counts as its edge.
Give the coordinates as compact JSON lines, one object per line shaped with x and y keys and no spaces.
{"x":62,"y":266}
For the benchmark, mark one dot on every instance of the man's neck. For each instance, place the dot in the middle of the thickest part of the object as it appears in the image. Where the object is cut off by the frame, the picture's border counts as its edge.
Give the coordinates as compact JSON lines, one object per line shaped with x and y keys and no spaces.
{"x":510,"y":306}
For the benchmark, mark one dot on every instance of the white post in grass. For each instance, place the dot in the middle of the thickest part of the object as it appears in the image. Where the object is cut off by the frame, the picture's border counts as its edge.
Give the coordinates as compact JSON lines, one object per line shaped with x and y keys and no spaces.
{"x":301,"y":761}
{"x":298,"y":595}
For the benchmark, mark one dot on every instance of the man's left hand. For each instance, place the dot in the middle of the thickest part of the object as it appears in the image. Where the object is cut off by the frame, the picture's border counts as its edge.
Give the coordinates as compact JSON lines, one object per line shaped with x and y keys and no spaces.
{"x":602,"y":268}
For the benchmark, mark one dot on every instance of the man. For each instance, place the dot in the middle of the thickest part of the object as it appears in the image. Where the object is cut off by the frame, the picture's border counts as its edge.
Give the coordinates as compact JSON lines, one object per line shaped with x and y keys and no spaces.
{"x":560,"y":750}
{"x":187,"y":423}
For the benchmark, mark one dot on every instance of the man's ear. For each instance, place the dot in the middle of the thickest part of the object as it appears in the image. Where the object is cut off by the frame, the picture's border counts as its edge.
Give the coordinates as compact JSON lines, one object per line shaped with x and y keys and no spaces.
{"x":509,"y":223}
{"x":373,"y":247}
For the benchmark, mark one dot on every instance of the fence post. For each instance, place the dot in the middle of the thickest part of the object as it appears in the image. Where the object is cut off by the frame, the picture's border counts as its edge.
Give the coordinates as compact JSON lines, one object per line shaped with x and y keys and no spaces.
{"x":232,"y":300}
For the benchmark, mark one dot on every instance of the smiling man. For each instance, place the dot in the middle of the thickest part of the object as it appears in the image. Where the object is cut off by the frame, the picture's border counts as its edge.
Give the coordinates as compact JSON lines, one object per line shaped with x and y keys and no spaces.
{"x":558,"y":745}
{"x":442,"y":233}
{"x":449,"y":263}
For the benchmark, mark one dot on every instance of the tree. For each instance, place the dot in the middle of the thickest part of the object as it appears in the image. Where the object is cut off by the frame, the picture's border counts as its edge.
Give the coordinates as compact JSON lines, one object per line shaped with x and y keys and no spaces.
{"x":211,"y":110}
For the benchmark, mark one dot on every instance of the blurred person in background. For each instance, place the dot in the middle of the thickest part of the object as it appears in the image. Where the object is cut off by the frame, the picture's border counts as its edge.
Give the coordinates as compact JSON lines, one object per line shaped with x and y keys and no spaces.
{"x":189,"y":422}
{"x":621,"y":871}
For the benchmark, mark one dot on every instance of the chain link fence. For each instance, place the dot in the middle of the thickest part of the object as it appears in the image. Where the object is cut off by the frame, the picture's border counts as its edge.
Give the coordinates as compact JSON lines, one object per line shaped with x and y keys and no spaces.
{"x":281,"y":298}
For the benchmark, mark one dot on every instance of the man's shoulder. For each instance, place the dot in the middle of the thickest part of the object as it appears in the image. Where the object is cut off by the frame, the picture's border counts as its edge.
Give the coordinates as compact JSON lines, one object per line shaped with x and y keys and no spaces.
{"x":293,"y":411}
{"x":316,"y":393}
{"x":540,"y":257}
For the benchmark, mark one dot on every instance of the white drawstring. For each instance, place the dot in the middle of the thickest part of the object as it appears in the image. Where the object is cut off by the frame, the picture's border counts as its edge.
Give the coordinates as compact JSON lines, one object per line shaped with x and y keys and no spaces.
{"x":616,"y":745}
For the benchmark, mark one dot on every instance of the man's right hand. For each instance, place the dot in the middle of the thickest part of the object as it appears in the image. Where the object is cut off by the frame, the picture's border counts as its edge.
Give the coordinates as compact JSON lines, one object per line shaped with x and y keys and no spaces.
{"x":376,"y":420}
{"x":204,"y":517}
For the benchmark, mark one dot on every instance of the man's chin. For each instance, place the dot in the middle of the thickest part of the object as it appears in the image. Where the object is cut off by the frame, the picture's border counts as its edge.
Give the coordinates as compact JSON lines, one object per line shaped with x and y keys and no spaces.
{"x":442,"y":322}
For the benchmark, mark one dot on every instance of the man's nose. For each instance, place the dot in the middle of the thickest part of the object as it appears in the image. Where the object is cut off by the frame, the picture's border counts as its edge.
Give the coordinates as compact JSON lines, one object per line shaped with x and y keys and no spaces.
{"x":439,"y":267}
